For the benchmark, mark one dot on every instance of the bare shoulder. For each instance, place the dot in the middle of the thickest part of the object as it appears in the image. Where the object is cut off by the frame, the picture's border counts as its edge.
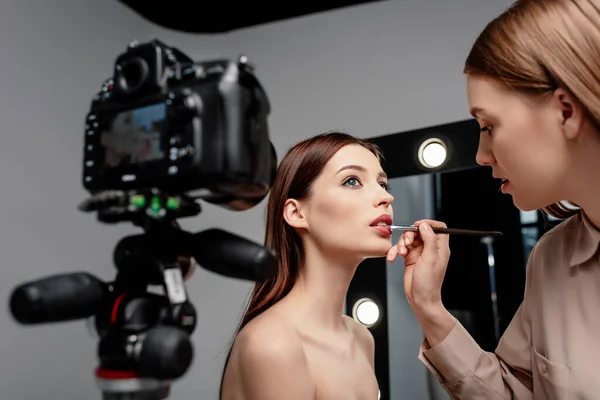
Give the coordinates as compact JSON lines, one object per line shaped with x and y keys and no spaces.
{"x":269,"y":335}
{"x":270,"y":360}
{"x":363,"y":336}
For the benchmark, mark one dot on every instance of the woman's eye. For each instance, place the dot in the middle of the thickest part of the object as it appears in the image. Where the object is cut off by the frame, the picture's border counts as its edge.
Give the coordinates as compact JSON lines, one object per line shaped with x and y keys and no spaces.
{"x":487,"y":129}
{"x":351,"y":182}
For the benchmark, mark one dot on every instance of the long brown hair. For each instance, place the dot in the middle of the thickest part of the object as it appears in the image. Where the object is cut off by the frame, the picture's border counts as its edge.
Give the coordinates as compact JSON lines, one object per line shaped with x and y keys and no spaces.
{"x":296,"y":173}
{"x":537,"y":46}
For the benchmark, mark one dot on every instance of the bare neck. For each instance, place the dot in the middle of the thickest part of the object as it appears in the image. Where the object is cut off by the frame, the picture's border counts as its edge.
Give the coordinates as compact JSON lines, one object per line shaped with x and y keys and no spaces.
{"x":317,"y":298}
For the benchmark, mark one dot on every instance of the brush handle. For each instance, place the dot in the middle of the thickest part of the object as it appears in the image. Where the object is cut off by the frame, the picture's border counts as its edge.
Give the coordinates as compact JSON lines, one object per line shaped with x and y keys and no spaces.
{"x":467,"y":232}
{"x":452,"y":231}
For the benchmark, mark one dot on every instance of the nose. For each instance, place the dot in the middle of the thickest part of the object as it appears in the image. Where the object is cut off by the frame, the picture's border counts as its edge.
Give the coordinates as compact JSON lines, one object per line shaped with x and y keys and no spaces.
{"x":485,"y":156}
{"x":384,"y":198}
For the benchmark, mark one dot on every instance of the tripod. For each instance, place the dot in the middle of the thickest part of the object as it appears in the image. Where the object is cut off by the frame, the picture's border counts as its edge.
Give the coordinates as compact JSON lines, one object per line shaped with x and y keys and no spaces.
{"x":144,"y":318}
{"x":144,"y":336}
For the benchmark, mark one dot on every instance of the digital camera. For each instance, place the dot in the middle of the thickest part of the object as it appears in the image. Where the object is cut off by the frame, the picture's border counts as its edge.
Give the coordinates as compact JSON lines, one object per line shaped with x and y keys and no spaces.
{"x":163,"y":133}
{"x":166,"y":122}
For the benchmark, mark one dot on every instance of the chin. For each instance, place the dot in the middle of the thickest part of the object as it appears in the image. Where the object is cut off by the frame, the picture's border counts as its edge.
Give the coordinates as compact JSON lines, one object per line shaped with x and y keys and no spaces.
{"x":524,"y":206}
{"x":532,"y":196}
{"x":530,"y":204}
{"x":377,"y":250}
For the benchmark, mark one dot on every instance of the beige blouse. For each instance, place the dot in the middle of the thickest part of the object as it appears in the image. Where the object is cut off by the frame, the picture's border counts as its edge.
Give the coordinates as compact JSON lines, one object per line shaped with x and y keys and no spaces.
{"x":551,"y":349}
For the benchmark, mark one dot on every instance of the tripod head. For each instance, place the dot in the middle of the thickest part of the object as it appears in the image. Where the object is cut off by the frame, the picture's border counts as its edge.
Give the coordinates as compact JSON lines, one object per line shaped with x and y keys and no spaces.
{"x":144,"y":317}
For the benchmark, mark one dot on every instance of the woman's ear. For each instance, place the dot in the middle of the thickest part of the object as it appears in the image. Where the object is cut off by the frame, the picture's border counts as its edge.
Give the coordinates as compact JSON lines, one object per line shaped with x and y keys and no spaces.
{"x":571,"y":113}
{"x":294,"y":215}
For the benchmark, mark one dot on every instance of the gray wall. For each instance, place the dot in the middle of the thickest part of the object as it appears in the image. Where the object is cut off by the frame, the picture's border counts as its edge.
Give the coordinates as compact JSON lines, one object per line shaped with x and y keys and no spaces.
{"x":55,"y":56}
{"x":369,"y":70}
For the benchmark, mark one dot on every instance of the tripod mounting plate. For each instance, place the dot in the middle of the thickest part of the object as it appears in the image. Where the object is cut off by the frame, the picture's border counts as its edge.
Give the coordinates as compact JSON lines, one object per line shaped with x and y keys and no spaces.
{"x":130,"y":386}
{"x":139,"y":206}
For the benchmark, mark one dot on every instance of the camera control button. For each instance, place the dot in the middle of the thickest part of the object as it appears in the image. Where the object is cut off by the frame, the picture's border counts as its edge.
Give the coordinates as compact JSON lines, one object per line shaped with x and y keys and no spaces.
{"x":192,"y":72}
{"x":184,"y":105}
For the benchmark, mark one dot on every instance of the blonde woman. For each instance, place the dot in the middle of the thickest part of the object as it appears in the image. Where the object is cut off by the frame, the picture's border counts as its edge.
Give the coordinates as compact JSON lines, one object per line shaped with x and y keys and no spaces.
{"x":533,"y":82}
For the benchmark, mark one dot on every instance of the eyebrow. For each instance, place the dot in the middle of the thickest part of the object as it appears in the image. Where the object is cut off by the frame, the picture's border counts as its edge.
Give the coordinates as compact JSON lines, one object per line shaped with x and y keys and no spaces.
{"x":362,"y":169}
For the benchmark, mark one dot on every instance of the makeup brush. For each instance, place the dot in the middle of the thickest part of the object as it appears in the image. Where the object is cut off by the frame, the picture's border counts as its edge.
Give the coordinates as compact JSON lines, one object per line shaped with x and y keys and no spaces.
{"x":452,"y":231}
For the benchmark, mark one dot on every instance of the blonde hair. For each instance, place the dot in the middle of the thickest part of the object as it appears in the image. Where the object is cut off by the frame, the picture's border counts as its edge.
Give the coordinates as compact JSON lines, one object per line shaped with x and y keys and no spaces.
{"x":537,"y":46}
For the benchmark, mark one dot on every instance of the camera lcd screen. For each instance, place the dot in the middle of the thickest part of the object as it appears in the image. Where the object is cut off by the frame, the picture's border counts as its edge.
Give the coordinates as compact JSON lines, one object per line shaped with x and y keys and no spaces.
{"x":134,"y":136}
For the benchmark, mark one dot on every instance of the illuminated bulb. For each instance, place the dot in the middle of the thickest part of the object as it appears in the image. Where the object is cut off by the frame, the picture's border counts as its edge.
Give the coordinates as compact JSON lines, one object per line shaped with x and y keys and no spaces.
{"x":432,"y":153}
{"x":366,"y":312}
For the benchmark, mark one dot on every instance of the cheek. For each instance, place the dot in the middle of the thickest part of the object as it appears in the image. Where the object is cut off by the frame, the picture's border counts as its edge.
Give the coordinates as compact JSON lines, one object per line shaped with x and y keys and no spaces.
{"x":333,"y":209}
{"x":529,"y":152}
{"x":341,"y":222}
{"x":517,"y":141}
{"x":334,"y":217}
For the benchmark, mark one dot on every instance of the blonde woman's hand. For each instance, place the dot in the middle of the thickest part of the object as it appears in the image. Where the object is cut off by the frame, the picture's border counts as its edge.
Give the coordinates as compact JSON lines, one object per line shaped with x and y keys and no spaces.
{"x":426,"y":256}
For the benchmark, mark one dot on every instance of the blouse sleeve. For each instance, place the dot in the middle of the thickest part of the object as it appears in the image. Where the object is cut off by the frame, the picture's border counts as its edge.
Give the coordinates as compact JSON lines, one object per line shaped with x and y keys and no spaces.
{"x":467,"y":372}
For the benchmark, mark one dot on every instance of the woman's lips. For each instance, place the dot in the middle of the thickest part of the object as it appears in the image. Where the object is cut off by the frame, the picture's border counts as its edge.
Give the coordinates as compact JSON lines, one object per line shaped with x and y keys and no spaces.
{"x":382,"y":230}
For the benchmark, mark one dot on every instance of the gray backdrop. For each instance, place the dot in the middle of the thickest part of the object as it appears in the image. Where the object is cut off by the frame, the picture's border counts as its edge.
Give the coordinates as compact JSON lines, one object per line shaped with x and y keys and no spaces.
{"x":369,"y":70}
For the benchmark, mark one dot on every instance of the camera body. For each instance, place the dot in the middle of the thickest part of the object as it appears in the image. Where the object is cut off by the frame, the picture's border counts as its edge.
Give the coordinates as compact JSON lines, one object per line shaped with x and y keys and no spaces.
{"x":166,"y":122}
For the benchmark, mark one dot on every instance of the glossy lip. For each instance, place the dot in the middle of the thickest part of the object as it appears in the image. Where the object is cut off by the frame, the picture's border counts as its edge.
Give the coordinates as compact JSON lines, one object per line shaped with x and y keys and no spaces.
{"x":383,"y":231}
{"x":385,"y":218}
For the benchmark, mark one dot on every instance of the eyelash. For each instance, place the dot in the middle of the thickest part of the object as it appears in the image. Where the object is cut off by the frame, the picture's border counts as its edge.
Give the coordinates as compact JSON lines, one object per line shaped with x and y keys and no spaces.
{"x":487,"y":129}
{"x":384,"y":185}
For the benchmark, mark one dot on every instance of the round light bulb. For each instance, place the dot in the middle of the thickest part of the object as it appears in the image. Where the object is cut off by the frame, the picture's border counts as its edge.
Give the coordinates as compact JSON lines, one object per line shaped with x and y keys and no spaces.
{"x":366,"y":312}
{"x":432,"y":153}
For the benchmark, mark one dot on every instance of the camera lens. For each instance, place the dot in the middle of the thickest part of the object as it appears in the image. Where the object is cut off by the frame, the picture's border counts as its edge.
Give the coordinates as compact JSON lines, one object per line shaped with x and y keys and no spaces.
{"x":131,"y":74}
